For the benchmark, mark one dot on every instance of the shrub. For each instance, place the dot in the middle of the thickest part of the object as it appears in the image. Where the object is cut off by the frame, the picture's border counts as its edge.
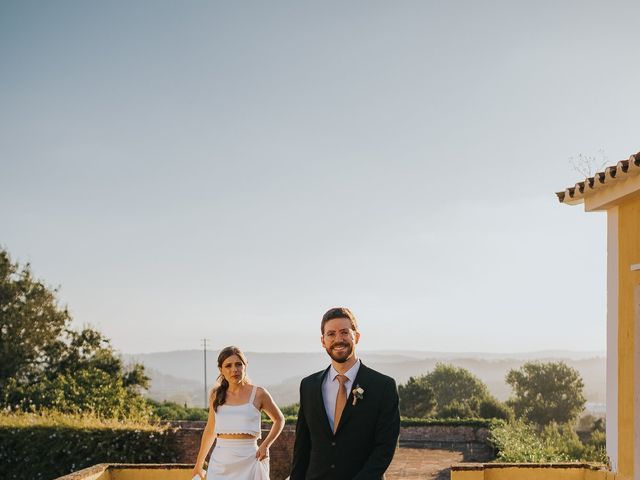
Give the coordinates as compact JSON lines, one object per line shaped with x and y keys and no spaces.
{"x":174,"y":411}
{"x":47,"y":445}
{"x":518,"y":441}
{"x":291,"y":410}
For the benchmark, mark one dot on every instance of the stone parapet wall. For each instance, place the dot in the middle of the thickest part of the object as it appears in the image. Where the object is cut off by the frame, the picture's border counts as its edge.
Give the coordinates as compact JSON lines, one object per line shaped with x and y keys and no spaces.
{"x":445,"y":433}
{"x":281,"y":453}
{"x":189,"y":434}
{"x":188,"y":443}
{"x":471,"y":441}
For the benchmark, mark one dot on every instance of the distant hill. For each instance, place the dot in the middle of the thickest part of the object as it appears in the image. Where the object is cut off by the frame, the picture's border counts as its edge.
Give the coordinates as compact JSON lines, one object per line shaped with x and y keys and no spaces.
{"x":175,"y":389}
{"x":178,"y":375}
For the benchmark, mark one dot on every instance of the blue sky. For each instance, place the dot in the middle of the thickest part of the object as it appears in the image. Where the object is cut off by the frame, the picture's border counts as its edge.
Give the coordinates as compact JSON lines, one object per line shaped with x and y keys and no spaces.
{"x":230,"y":170}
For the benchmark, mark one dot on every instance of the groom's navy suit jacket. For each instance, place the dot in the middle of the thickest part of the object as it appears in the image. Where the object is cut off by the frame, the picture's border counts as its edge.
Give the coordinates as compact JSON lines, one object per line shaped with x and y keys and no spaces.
{"x":366,"y":438}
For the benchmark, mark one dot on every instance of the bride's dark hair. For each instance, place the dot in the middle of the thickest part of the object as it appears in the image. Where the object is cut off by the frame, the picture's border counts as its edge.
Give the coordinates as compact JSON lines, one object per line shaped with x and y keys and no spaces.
{"x":219,"y":393}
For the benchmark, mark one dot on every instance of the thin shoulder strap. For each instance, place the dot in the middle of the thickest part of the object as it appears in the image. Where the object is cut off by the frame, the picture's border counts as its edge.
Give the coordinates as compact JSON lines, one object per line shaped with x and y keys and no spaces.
{"x":253,"y":394}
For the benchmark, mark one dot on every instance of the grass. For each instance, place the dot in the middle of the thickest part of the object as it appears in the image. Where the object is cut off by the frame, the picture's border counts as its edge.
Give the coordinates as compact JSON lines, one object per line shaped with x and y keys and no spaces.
{"x":61,"y":420}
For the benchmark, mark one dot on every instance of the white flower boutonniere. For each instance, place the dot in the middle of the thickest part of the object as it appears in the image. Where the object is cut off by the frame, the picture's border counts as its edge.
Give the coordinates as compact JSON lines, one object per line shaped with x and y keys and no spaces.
{"x":358,"y":394}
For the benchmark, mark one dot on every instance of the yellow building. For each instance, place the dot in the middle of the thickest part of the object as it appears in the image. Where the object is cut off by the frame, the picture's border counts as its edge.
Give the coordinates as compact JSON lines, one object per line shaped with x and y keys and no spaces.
{"x":615,"y":191}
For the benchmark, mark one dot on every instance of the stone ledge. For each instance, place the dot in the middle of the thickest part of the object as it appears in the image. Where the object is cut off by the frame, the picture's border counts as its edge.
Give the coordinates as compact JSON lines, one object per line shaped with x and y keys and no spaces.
{"x":95,"y":470}
{"x":150,"y":466}
{"x":104,"y":470}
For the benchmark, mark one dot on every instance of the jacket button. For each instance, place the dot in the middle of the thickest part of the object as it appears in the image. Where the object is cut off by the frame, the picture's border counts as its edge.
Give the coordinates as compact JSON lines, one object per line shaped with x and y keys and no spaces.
{"x":333,"y":466}
{"x":333,"y":444}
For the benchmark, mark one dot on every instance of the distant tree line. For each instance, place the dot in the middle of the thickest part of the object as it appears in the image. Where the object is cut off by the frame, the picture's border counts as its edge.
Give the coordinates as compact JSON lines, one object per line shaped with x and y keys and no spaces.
{"x":536,"y":424}
{"x":543,"y":393}
{"x":449,"y":392}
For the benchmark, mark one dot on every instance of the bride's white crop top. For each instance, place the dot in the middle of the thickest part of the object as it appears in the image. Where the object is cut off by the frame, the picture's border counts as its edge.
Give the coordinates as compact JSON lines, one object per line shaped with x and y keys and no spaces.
{"x":243,"y":418}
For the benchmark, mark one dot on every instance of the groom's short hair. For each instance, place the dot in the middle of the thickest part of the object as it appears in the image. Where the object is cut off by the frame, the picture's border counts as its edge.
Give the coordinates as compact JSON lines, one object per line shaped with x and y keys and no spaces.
{"x":339,"y":312}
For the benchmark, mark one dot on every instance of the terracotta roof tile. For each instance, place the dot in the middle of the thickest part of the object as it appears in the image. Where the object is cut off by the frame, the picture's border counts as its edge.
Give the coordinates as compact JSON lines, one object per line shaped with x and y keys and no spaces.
{"x":613,"y":174}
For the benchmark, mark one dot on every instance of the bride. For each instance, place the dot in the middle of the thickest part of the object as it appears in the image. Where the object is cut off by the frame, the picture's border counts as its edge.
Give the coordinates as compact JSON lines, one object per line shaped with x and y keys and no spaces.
{"x":234,"y":423}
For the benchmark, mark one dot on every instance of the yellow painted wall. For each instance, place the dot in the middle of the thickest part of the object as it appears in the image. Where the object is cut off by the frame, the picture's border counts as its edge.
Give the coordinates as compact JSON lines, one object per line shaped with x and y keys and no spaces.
{"x":521,"y":472}
{"x":535,"y":474}
{"x":151,"y":474}
{"x":628,"y":254}
{"x":99,"y":476}
{"x":467,"y":475}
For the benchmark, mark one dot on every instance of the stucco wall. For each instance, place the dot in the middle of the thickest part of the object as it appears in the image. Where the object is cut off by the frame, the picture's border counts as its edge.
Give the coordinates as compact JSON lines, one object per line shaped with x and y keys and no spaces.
{"x":528,"y":471}
{"x":628,"y":254}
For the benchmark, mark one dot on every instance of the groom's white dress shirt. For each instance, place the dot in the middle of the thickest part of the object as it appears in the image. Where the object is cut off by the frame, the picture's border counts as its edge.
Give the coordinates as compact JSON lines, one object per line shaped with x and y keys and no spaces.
{"x":330,"y":388}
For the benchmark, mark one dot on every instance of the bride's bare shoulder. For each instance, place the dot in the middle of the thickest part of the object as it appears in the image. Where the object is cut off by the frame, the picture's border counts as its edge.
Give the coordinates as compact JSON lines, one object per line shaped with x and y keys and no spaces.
{"x":262,"y":392}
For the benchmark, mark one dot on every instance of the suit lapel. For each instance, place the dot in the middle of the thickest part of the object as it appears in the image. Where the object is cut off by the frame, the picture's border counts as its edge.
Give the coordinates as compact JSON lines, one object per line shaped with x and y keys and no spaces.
{"x":360,"y":380}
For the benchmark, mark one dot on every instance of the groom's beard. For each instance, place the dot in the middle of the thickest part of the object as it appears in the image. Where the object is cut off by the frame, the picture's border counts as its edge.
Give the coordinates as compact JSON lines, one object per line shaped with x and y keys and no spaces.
{"x":342,"y":356}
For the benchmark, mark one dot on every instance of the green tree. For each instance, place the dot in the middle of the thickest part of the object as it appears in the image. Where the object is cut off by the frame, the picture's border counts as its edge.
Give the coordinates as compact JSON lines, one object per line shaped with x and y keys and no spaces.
{"x":491,"y":407}
{"x":89,"y":390}
{"x":416,"y":398}
{"x":167,"y":410}
{"x":31,"y":320}
{"x":455,"y":384}
{"x":46,"y":364}
{"x":457,"y":409}
{"x":546,"y":392}
{"x":446,"y":392}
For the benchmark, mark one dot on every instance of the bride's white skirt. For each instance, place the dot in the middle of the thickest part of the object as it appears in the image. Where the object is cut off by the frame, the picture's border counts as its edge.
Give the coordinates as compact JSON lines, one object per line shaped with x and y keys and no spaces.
{"x":236,"y":460}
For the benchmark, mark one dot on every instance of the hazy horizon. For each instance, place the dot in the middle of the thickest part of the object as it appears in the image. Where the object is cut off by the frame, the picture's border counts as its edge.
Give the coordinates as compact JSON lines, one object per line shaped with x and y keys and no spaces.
{"x":179,"y":376}
{"x":360,"y":352}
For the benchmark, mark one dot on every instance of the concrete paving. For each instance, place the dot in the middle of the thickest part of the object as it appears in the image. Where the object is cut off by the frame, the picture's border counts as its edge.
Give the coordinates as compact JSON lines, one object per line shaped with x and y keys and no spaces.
{"x":422,"y":464}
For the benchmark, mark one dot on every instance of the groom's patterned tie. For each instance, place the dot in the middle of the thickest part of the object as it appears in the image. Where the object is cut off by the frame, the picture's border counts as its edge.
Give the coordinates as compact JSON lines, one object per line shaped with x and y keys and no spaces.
{"x":341,"y":401}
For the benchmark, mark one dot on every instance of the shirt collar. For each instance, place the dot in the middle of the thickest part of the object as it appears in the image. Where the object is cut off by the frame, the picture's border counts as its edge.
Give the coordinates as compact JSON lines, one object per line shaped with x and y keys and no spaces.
{"x":350,"y":374}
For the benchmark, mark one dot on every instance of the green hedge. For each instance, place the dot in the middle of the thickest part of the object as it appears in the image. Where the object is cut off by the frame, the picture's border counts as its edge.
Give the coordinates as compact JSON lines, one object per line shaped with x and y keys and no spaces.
{"x":288,"y":419}
{"x":43,"y":447}
{"x":174,"y":411}
{"x":449,"y":422}
{"x":418,"y":422}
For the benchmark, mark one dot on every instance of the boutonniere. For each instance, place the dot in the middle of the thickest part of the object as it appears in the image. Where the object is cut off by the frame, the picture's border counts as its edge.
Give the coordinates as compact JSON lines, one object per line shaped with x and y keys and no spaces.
{"x":358,"y":394}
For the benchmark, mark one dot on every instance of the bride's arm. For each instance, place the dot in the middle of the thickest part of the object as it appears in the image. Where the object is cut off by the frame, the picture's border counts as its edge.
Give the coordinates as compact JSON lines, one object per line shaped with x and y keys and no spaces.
{"x":208,"y":436}
{"x":268,"y":406}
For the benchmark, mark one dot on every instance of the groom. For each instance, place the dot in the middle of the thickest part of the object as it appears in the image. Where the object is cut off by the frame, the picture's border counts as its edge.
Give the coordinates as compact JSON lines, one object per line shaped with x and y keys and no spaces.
{"x":348,"y":423}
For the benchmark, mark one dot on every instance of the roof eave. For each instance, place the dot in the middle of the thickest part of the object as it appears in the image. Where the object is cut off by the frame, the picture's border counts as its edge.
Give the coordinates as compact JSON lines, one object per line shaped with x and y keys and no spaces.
{"x":605,"y":188}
